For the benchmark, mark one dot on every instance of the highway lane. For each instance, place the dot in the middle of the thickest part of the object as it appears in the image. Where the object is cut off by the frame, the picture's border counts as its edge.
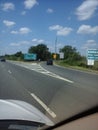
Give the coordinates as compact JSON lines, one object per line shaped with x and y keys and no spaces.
{"x":86,"y":80}
{"x":10,"y":87}
{"x":61,"y":99}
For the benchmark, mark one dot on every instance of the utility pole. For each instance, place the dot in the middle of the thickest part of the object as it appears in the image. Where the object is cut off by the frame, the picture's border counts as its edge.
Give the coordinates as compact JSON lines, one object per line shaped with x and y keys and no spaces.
{"x":55,"y":56}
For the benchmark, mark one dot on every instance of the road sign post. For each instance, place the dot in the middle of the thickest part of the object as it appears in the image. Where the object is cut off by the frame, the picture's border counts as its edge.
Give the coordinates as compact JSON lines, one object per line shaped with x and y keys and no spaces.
{"x":90,"y":62}
{"x":55,"y":56}
{"x":61,"y":55}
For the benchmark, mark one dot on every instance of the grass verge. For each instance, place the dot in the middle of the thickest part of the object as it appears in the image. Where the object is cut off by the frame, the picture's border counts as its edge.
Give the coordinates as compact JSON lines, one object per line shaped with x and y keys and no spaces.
{"x":93,"y":69}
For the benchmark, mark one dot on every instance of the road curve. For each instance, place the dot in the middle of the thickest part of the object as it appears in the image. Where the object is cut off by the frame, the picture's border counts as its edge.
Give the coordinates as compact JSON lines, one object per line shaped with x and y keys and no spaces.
{"x":57,"y":98}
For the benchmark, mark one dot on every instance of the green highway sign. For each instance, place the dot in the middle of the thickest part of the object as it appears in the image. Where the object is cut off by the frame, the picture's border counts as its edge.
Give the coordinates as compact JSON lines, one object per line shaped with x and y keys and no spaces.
{"x":93,"y":51}
{"x":92,"y":54}
{"x":29,"y":56}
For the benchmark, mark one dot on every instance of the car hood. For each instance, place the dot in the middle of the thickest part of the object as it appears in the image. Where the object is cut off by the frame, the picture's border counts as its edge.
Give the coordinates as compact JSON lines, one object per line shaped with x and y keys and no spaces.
{"x":20,"y":110}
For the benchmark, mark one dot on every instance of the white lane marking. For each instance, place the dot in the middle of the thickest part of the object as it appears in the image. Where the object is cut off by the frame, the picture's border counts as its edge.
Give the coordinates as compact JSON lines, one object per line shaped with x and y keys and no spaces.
{"x":38,"y":68}
{"x":54,"y":75}
{"x":59,"y":77}
{"x":34,"y":64}
{"x":9,"y":71}
{"x":50,"y":112}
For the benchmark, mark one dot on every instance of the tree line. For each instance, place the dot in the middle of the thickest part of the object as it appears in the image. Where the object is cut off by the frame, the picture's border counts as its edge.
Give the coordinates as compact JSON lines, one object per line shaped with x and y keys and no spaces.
{"x":43,"y":53}
{"x":71,"y":55}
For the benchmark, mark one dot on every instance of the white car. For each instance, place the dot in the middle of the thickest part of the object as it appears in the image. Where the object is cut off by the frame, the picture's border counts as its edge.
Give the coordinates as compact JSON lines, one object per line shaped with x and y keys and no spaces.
{"x":19,"y":115}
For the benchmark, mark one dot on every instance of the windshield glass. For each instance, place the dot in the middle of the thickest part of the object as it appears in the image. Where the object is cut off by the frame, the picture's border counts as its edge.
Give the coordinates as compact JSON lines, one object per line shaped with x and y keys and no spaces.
{"x":49,"y":55}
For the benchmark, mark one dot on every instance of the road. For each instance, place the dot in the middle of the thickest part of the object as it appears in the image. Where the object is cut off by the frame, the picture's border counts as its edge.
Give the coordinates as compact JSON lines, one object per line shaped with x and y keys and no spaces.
{"x":58,"y":92}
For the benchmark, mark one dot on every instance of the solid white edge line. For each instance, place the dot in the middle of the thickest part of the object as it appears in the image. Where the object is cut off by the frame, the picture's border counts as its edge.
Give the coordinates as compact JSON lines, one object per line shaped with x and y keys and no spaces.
{"x":50,"y":112}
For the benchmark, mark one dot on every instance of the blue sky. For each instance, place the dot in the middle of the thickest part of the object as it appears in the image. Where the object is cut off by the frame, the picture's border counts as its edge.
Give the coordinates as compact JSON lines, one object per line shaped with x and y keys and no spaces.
{"x":25,"y":23}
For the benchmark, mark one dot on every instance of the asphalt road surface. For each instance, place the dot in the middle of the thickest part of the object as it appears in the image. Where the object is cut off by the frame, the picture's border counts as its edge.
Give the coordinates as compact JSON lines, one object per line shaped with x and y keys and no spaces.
{"x":58,"y":92}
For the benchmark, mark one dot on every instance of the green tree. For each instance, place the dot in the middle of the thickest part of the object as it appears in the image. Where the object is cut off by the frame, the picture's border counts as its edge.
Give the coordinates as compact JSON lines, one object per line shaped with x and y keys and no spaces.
{"x":70,"y":54}
{"x":41,"y":50}
{"x":18,"y":54}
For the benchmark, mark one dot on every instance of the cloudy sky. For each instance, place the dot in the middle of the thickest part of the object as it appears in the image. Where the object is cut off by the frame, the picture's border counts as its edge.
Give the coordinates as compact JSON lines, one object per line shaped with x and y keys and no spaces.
{"x":25,"y":23}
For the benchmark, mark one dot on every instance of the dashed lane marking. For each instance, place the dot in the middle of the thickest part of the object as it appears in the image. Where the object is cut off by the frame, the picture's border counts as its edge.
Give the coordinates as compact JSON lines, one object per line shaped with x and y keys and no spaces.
{"x":9,"y":71}
{"x":50,"y":112}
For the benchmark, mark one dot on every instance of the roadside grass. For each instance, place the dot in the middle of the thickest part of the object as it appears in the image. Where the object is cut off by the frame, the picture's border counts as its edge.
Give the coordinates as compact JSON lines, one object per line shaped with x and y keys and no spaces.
{"x":81,"y":65}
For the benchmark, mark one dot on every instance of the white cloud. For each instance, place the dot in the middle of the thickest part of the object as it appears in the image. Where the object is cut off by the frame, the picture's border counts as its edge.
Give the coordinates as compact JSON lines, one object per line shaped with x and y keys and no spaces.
{"x":7,"y":6}
{"x":87,"y":29}
{"x":34,"y":40}
{"x":23,"y":12}
{"x":8,"y":23}
{"x":41,"y":41}
{"x":30,"y":3}
{"x":38,"y":40}
{"x":87,"y":9}
{"x":90,"y":44}
{"x":55,"y":27}
{"x":61,"y":31}
{"x":64,"y":31}
{"x":14,"y":32}
{"x":49,"y":10}
{"x":23,"y":30}
{"x":21,"y":43}
{"x":14,"y":44}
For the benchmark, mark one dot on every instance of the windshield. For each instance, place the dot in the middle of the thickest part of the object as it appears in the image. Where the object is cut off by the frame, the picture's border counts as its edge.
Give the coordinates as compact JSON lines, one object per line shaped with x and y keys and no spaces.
{"x":49,"y":55}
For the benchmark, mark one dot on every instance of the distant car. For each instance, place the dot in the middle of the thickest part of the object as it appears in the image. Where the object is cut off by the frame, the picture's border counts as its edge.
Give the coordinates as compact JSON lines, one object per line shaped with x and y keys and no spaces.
{"x":49,"y":62}
{"x":3,"y":60}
